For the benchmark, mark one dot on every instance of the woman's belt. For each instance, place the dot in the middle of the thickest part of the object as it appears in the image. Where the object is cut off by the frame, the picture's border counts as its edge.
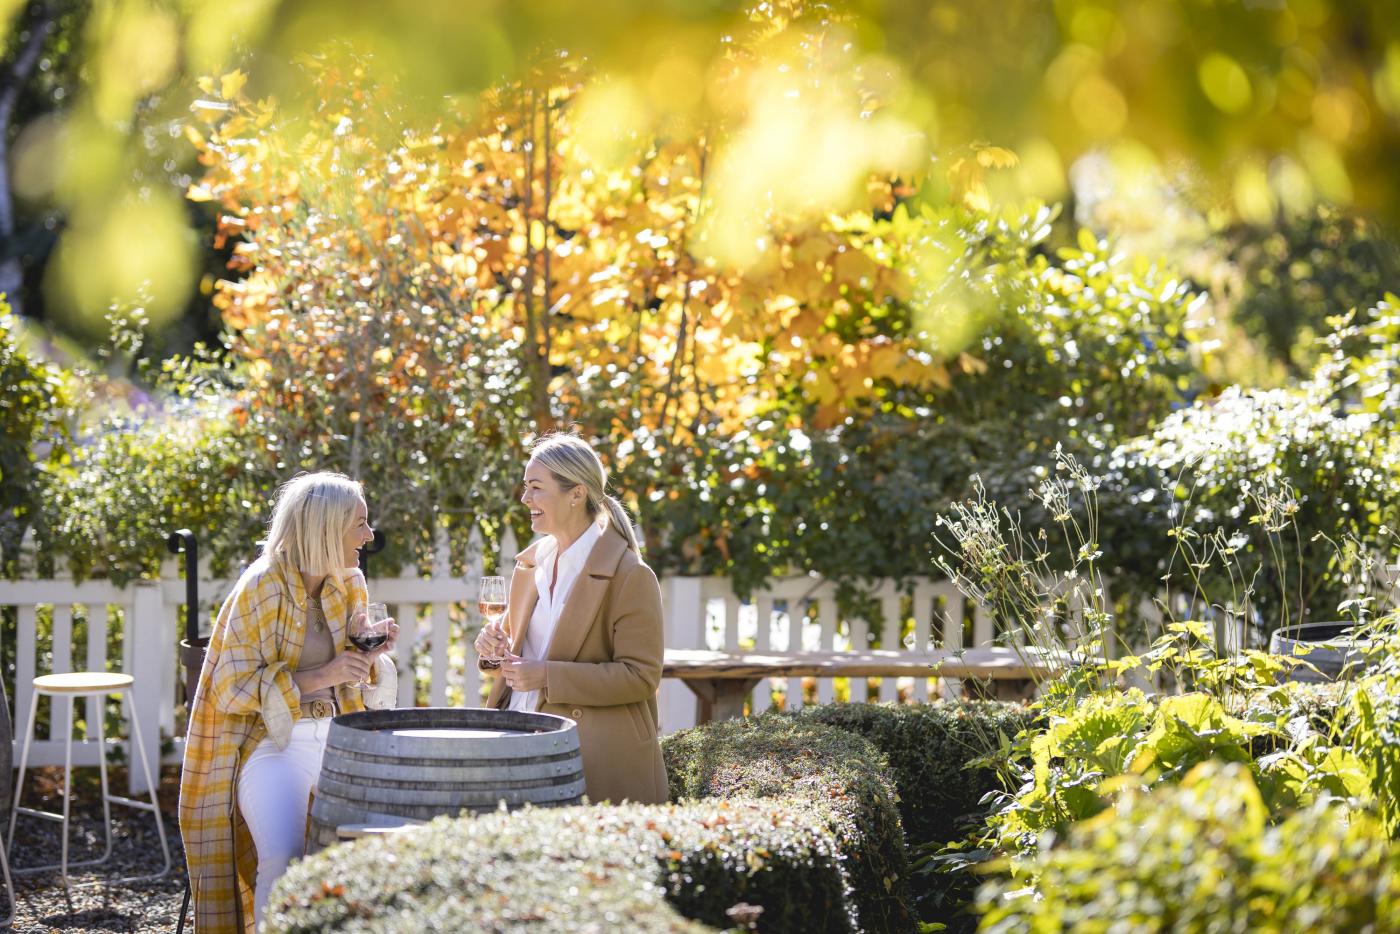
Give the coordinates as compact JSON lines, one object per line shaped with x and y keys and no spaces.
{"x":319,"y":709}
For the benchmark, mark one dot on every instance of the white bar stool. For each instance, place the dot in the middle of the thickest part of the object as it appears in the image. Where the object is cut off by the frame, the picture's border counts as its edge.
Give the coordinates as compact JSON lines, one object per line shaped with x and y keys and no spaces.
{"x":93,"y":685}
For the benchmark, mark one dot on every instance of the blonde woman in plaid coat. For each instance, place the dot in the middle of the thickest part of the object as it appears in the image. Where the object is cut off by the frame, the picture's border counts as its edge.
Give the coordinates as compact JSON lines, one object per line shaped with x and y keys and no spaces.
{"x":278,"y":667}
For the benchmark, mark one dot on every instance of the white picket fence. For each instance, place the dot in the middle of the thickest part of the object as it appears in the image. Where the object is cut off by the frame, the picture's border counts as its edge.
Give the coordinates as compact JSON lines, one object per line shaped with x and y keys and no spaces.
{"x":438,"y":620}
{"x":800,"y":614}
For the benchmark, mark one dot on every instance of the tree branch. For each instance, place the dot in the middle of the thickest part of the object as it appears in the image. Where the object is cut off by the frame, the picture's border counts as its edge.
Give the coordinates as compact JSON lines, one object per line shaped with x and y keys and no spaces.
{"x":17,"y":75}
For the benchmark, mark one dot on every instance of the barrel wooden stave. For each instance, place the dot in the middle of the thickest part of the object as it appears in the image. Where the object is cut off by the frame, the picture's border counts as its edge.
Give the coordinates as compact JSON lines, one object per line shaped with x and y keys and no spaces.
{"x":439,"y":774}
{"x":390,"y":799}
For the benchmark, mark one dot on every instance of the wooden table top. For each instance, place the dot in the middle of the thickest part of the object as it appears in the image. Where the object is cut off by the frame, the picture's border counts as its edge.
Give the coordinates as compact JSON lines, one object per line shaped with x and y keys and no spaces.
{"x":702,"y":664}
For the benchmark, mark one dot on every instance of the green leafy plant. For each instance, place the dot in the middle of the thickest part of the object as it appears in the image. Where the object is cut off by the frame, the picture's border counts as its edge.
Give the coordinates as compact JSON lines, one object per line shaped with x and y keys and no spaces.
{"x":1222,"y":702}
{"x":1205,"y":856}
{"x":34,"y":434}
{"x":1373,"y":732}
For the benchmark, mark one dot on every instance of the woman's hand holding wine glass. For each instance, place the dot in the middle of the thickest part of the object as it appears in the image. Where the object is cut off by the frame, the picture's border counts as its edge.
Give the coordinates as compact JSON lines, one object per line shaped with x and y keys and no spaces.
{"x":374,"y":633}
{"x":492,"y":642}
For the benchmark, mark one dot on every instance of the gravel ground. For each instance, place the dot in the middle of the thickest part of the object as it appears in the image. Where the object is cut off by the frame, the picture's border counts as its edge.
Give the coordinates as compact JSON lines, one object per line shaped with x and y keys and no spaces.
{"x":104,"y":903}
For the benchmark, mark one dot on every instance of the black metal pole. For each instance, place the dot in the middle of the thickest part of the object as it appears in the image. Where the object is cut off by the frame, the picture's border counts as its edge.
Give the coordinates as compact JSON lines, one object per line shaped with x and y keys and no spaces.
{"x":183,"y":540}
{"x":191,"y":653}
{"x":372,"y":548}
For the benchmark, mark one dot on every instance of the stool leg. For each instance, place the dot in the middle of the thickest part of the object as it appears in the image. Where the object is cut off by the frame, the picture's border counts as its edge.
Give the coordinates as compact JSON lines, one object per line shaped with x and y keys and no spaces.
{"x":152,"y":782}
{"x":99,"y":702}
{"x":23,"y":762}
{"x":67,"y":790}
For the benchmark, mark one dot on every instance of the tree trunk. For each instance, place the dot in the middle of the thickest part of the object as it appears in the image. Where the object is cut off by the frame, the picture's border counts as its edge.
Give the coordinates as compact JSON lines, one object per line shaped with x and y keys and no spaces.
{"x":12,"y":81}
{"x":11,"y":270}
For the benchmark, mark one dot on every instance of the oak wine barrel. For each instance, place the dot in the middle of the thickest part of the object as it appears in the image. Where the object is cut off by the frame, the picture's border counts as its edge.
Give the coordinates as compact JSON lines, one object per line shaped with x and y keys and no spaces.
{"x":1328,"y":647}
{"x":423,"y":762}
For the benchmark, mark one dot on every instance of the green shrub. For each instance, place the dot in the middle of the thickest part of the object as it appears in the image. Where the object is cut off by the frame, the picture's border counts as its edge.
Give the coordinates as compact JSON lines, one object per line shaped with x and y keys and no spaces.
{"x":1300,"y":270}
{"x":840,"y":777}
{"x":1094,"y":741}
{"x":1275,"y":493}
{"x":34,"y":406}
{"x":596,"y":869}
{"x":1363,"y":364}
{"x":1202,"y":857}
{"x":931,"y":748}
{"x":933,"y":751}
{"x":1374,"y":722}
{"x":130,"y":486}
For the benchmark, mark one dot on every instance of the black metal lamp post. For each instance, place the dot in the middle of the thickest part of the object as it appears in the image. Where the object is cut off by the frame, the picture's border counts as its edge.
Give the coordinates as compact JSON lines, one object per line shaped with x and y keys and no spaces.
{"x":372,"y":548}
{"x":193,"y":645}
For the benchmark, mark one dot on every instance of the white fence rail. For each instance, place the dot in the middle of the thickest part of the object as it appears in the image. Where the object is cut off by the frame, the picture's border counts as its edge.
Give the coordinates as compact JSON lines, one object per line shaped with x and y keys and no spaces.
{"x":800,"y":614}
{"x":438,"y":619}
{"x":436,"y":613}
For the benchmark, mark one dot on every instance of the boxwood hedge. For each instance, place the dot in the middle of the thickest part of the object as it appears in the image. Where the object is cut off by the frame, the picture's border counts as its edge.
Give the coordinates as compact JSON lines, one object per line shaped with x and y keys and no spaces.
{"x":596,"y":868}
{"x":786,"y":825}
{"x":839,"y":776}
{"x":929,"y":748}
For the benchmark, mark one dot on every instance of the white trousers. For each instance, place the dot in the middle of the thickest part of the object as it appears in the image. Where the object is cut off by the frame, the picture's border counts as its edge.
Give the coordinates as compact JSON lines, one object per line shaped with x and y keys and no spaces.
{"x":274,"y":791}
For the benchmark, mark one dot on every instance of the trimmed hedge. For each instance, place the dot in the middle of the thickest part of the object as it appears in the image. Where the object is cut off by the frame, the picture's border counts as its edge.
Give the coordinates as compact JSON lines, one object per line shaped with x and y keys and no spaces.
{"x":597,"y":868}
{"x":929,"y":747}
{"x":839,"y":776}
{"x":805,"y":838}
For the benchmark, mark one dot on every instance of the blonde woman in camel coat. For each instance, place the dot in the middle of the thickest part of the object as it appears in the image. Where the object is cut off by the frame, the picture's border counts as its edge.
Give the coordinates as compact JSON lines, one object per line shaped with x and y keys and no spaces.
{"x":583,"y":635}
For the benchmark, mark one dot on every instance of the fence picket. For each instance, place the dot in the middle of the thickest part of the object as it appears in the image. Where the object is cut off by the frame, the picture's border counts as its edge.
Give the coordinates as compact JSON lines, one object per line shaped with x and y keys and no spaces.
{"x":406,"y":615}
{"x":731,"y":623}
{"x":826,"y":615}
{"x":923,"y":626}
{"x":763,"y":642}
{"x":25,"y":652}
{"x":60,"y":724}
{"x":891,"y":625}
{"x":96,"y":653}
{"x":441,"y":651}
{"x":954,"y":613}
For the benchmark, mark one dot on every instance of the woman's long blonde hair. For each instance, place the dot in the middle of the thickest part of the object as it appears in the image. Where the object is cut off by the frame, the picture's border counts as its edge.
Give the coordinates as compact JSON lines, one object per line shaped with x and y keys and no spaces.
{"x":571,"y":462}
{"x":311,"y":516}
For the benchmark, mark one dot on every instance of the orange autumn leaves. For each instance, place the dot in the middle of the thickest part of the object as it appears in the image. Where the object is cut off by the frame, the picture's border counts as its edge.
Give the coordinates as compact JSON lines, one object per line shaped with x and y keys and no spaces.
{"x":599,"y":272}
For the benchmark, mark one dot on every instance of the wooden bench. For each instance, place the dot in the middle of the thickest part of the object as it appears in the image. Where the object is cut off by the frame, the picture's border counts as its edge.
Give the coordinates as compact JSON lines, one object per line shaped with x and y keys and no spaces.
{"x":722,"y":681}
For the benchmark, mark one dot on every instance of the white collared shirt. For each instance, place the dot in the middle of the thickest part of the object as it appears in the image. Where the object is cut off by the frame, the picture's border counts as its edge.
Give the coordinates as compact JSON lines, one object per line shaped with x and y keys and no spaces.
{"x":546,"y":615}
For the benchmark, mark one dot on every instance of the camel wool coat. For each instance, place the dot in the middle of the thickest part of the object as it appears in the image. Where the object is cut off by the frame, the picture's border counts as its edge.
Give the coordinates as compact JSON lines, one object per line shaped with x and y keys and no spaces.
{"x":603,"y":667}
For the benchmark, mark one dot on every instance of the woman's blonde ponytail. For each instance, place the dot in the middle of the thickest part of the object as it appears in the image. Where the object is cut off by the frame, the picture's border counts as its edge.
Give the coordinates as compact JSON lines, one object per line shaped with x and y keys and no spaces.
{"x":618,"y":518}
{"x":573,"y":463}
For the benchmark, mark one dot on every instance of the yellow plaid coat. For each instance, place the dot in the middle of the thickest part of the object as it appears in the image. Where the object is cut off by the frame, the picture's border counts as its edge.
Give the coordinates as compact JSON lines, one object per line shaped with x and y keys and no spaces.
{"x":246,"y":692}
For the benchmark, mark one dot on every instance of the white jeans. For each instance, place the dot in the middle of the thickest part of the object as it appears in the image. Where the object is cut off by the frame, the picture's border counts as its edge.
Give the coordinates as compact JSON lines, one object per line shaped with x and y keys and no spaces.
{"x":274,"y":790}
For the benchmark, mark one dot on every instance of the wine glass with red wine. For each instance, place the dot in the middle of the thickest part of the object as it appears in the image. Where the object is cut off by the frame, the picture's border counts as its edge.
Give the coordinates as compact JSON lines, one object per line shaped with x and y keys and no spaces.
{"x":373,"y":632}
